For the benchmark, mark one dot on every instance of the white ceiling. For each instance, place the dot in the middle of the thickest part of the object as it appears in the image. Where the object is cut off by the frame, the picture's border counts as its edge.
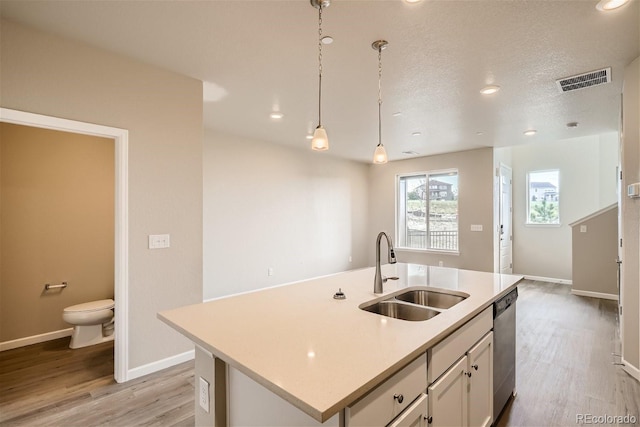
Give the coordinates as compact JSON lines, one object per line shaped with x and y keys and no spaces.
{"x":262,"y":55}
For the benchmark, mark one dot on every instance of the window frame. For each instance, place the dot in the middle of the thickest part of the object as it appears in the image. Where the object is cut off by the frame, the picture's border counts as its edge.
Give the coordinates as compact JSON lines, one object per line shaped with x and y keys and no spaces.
{"x":528,"y":222}
{"x":398,"y":220}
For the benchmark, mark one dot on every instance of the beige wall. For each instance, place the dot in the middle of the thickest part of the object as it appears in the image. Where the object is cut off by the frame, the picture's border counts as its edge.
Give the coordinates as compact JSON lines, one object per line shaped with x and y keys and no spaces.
{"x":162,"y":111}
{"x":631,"y":216}
{"x":57,"y":216}
{"x":475,"y":206}
{"x":593,"y":252}
{"x":587,"y":184}
{"x":299,"y":212}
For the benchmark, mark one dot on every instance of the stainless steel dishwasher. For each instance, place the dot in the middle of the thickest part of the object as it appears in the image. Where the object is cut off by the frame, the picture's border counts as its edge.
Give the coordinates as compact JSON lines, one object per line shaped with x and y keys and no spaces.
{"x":504,"y":351}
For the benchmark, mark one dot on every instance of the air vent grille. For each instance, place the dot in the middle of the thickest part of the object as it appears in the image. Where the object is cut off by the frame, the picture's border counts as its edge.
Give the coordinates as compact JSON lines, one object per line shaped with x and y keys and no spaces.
{"x":581,"y":81}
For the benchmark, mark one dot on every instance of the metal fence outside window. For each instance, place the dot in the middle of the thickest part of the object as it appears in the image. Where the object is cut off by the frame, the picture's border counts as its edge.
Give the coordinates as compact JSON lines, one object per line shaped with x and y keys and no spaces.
{"x":445,"y":240}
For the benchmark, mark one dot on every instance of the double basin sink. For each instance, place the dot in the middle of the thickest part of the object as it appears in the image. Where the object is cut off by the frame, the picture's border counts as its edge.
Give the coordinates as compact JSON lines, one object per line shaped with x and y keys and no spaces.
{"x":415,"y":304}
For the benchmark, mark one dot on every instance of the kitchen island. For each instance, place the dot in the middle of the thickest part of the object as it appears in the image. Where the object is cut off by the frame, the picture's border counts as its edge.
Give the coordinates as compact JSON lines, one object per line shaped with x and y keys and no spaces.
{"x":317,"y":353}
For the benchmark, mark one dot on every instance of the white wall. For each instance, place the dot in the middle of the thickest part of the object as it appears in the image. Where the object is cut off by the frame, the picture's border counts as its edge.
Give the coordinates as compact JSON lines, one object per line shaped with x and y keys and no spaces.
{"x":587,"y":183}
{"x":475,"y":206}
{"x":49,"y":75}
{"x":630,"y":210}
{"x":299,"y":212}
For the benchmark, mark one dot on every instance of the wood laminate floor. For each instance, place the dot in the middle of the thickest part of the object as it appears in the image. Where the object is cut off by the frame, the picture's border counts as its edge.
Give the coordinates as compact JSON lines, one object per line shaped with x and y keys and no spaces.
{"x":564,"y":369}
{"x":564,"y":347}
{"x":49,"y":384}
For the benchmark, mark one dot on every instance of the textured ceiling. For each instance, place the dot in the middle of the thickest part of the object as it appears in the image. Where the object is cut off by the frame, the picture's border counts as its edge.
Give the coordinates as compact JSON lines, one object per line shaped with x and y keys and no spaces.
{"x":262,"y":55}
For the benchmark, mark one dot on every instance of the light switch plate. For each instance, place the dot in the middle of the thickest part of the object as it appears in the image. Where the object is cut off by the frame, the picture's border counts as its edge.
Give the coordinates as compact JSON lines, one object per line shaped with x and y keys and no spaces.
{"x":159,"y":241}
{"x":583,"y":228}
{"x":476,"y":227}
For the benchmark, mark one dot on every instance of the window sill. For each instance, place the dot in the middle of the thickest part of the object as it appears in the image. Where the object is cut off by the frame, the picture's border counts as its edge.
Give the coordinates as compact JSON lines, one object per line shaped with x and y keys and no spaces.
{"x":527,"y":224}
{"x":428,"y":251}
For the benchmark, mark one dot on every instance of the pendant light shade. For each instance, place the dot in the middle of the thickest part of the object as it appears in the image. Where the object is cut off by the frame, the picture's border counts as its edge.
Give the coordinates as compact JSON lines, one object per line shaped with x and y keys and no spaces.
{"x":320,"y":142}
{"x":380,"y":155}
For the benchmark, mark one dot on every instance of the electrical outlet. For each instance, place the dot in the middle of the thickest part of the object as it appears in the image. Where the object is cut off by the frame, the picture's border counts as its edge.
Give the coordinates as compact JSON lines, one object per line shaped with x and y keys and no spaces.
{"x":270,"y":271}
{"x":203,"y":396}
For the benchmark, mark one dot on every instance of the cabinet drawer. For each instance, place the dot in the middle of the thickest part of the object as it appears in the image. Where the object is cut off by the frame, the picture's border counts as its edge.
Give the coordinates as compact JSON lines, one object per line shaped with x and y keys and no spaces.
{"x":379,"y":407}
{"x":415,"y":415}
{"x":445,"y":353}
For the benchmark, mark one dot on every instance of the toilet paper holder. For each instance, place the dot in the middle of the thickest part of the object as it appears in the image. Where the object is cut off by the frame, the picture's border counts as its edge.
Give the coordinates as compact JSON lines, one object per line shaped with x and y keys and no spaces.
{"x":60,"y":286}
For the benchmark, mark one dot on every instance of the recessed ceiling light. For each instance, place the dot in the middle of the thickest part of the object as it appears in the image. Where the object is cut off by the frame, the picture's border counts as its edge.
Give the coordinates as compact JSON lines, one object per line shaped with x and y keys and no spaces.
{"x":309,"y":136}
{"x":479,"y":133}
{"x":397,"y":114}
{"x":489,"y":90}
{"x":412,"y":1}
{"x":530,"y":132}
{"x":416,"y":134}
{"x":572,"y":125}
{"x":327,"y":40}
{"x":276,"y":115}
{"x":606,"y":5}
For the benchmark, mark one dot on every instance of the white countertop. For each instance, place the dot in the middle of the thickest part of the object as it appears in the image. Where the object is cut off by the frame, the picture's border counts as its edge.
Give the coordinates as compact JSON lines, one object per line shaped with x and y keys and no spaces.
{"x":319,"y":353}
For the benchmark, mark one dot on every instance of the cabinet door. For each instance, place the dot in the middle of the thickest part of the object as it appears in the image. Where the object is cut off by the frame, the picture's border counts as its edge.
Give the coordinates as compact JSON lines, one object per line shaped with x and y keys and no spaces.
{"x":480,"y":366}
{"x":448,"y":397}
{"x":415,"y":415}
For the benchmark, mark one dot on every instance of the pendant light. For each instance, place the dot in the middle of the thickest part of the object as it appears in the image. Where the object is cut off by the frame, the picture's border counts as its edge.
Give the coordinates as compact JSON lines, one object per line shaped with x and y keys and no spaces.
{"x":380,"y":155}
{"x":320,"y":141}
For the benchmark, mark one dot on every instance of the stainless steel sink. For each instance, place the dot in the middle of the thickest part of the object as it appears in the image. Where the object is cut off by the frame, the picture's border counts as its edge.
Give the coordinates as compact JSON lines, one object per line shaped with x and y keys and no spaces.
{"x":430,"y":298}
{"x":400,"y":310}
{"x":415,"y":303}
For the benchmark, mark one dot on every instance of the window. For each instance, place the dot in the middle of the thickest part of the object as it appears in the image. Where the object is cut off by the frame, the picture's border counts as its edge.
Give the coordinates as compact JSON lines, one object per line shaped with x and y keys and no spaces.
{"x":428,"y":211}
{"x":543,"y":197}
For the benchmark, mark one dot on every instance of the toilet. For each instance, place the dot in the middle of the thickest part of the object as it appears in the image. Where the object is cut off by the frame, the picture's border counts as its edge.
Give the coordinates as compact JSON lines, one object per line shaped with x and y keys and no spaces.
{"x":92,"y":322}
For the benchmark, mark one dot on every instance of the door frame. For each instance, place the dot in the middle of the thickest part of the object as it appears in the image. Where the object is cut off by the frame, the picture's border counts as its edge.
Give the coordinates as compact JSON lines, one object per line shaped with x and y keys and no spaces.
{"x":121,"y":261}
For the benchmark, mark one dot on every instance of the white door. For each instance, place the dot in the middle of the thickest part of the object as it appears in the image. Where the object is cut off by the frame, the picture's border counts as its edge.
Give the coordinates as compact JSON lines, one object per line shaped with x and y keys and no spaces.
{"x":506,"y":214}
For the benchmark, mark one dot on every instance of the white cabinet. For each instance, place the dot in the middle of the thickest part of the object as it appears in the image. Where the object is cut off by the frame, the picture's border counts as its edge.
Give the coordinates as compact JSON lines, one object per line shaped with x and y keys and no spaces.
{"x":457,"y":374}
{"x":388,"y":400}
{"x":463,"y":395}
{"x":480,"y":366}
{"x":448,"y":397}
{"x":415,"y":415}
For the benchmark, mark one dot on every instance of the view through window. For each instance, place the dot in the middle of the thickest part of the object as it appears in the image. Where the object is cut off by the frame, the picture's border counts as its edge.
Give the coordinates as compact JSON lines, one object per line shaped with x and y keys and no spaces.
{"x":428,"y":211}
{"x":543,"y":197}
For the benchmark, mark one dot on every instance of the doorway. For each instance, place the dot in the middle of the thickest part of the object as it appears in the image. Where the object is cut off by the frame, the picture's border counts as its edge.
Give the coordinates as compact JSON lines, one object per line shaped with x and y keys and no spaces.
{"x":120,"y":137}
{"x":506,"y":219}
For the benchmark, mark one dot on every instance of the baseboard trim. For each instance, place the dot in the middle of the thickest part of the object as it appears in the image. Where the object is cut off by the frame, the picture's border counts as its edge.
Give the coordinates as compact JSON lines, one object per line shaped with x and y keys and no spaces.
{"x":549,"y":279}
{"x":594,"y":294}
{"x":35,"y":339}
{"x":159,"y":365}
{"x":630,"y":369}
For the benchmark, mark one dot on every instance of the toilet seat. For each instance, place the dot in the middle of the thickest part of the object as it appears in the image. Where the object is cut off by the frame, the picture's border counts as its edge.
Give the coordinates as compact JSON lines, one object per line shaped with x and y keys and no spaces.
{"x":103,"y":304}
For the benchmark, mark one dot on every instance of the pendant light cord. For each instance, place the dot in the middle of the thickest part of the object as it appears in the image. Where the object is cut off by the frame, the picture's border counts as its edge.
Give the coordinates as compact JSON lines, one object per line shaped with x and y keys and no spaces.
{"x":320,"y":65}
{"x":380,"y":95}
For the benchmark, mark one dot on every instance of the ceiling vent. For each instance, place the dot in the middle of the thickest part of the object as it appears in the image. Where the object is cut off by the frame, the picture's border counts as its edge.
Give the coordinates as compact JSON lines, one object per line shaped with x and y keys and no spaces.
{"x":581,"y":81}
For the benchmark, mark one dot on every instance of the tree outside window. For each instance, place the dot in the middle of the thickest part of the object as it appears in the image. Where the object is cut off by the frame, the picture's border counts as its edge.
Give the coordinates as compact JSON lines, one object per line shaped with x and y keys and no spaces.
{"x":543,"y":197}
